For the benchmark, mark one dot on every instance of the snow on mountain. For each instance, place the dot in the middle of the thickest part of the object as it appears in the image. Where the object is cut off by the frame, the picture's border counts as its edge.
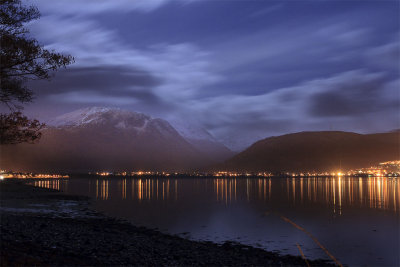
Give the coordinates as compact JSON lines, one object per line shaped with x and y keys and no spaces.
{"x":191,"y":131}
{"x":123,"y":119}
{"x":116,"y":118}
{"x":78,"y":117}
{"x":96,"y":115}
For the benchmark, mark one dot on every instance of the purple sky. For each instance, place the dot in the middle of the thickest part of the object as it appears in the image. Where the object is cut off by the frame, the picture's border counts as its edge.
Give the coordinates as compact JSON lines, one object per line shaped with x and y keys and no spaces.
{"x":244,"y":70}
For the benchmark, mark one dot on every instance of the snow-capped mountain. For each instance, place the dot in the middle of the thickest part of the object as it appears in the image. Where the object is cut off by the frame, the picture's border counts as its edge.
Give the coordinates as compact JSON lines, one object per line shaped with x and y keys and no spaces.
{"x":197,"y":136}
{"x":113,"y":118}
{"x":101,"y":115}
{"x":98,"y":138}
{"x":81,"y":116}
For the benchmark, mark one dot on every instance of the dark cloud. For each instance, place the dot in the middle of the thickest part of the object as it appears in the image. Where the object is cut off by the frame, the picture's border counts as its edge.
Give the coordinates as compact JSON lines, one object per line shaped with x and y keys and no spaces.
{"x":350,"y":98}
{"x":107,"y":80}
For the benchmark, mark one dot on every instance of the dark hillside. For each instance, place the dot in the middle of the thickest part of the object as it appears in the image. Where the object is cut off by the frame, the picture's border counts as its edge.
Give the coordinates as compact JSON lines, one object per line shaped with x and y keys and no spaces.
{"x":317,"y":151}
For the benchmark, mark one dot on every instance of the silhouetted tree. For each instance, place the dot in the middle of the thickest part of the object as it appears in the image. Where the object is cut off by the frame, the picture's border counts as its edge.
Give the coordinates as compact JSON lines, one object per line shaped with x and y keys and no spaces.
{"x":16,"y":128}
{"x":22,"y":58}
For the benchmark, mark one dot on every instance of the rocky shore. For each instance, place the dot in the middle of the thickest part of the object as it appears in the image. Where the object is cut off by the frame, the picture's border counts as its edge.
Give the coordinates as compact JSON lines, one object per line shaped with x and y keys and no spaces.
{"x":44,"y":227}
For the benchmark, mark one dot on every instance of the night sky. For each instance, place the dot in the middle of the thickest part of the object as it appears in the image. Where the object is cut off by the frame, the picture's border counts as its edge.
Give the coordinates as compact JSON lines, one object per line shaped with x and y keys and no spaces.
{"x":244,"y":70}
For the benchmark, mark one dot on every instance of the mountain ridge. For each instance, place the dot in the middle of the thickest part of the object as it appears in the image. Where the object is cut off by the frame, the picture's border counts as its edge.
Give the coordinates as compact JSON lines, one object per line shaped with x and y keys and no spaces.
{"x":99,"y":139}
{"x":316,"y":151}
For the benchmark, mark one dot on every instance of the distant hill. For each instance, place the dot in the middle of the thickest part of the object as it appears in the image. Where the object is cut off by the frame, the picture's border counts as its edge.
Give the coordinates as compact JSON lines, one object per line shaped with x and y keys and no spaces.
{"x":107,"y":139}
{"x":316,"y":151}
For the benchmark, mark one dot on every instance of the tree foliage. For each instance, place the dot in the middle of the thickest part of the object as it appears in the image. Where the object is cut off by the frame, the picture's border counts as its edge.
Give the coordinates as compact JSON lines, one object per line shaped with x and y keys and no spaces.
{"x":22,"y":58}
{"x":16,"y":128}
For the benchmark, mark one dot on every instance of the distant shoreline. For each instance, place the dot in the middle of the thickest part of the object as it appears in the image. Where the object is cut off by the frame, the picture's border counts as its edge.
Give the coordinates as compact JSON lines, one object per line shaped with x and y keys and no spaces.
{"x":183,"y":176}
{"x":45,"y":227}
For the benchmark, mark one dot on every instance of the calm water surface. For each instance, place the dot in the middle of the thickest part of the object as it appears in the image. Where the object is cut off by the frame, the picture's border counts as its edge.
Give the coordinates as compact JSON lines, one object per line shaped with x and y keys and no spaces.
{"x":355,"y":219}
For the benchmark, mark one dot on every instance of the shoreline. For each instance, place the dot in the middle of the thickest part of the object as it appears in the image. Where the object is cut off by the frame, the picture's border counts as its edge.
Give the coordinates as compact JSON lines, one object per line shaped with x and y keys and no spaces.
{"x":42,"y":226}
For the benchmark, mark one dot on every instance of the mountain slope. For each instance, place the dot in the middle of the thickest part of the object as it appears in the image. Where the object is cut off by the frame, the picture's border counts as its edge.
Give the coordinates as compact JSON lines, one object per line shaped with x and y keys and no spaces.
{"x":105,"y":139}
{"x":203,"y":141}
{"x":316,"y":151}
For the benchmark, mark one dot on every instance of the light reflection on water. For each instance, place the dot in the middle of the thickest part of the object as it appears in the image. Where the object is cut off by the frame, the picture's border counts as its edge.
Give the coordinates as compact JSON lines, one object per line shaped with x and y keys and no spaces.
{"x":357,"y":219}
{"x":373,"y":192}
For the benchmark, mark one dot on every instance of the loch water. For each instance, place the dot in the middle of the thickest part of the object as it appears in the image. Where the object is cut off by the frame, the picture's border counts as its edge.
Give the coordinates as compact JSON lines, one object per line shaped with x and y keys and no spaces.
{"x":357,"y":220}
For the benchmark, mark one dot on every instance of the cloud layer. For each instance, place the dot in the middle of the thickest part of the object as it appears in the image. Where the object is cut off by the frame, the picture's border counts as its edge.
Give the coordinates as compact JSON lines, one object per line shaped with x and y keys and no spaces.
{"x":243,"y":70}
